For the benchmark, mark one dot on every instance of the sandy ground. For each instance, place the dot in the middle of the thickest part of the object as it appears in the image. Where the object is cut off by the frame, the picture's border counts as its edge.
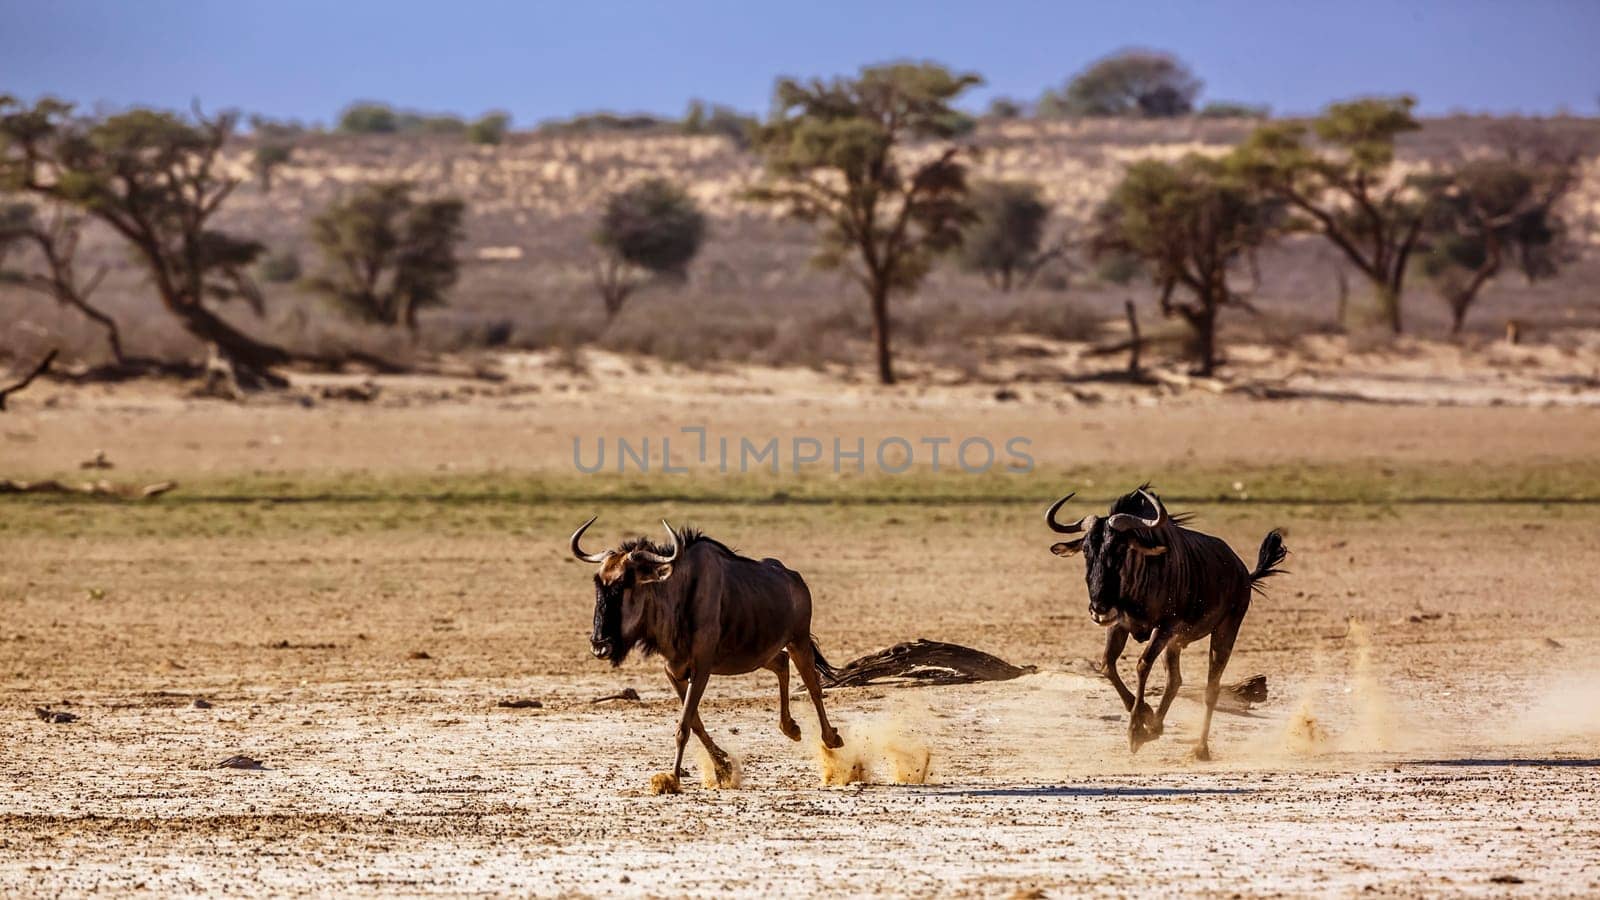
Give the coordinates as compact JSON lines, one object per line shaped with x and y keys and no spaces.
{"x":1447,"y":742}
{"x":1428,"y":403}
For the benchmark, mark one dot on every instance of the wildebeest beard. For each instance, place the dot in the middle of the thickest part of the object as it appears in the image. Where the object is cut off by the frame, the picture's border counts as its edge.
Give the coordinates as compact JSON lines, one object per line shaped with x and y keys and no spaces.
{"x":608,"y":622}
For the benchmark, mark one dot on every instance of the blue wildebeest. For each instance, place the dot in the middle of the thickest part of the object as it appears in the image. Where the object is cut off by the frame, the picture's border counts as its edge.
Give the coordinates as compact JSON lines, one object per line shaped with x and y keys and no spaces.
{"x":1151,"y":577}
{"x":706,"y":611}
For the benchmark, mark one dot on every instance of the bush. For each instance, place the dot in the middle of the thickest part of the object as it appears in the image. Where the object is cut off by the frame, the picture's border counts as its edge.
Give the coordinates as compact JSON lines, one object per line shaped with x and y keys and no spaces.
{"x":269,"y":155}
{"x":279,"y":268}
{"x":653,"y":226}
{"x":601,"y":122}
{"x":724,"y":121}
{"x":422,"y":123}
{"x":1003,"y":240}
{"x":366,"y":117}
{"x":489,"y":129}
{"x":1145,"y":83}
{"x":387,"y":255}
{"x":372,"y":117}
{"x":1118,"y":268}
{"x":1229,"y":109}
{"x":1004,"y":108}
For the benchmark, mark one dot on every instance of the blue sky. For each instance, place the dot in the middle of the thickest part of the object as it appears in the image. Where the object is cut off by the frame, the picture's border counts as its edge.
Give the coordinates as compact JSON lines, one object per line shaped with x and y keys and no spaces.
{"x":538,"y":60}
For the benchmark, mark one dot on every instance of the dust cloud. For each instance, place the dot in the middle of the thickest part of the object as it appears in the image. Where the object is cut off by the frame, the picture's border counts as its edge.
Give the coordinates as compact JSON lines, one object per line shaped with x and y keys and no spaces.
{"x":730,"y":778}
{"x":891,"y":747}
{"x":1365,"y":722}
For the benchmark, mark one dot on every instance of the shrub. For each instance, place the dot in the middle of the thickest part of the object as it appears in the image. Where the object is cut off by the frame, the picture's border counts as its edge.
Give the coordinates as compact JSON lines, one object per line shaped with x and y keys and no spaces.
{"x":653,"y":226}
{"x":1003,"y":241}
{"x":1004,"y":108}
{"x":601,"y":122}
{"x":279,"y":268}
{"x":1128,"y":83}
{"x":387,"y":255}
{"x":269,"y":155}
{"x":489,"y":129}
{"x":367,"y":117}
{"x":724,"y":121}
{"x":1230,"y":109}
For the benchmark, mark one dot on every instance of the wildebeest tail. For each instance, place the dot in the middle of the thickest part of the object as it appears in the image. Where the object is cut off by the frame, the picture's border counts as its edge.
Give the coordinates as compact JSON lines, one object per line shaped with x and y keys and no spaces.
{"x":828,"y":672}
{"x":1273,"y":553}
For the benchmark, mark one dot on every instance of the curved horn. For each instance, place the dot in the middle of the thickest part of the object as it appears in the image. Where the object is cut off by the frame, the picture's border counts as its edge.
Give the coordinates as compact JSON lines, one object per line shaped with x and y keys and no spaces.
{"x":1125,"y":521}
{"x":578,"y":551}
{"x":1057,"y":527}
{"x":657,"y":558}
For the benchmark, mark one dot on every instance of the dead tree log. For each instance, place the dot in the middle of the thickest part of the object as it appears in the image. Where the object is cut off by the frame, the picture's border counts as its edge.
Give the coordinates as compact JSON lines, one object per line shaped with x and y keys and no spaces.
{"x":88,"y":488}
{"x":1240,"y":695}
{"x":927,"y":662}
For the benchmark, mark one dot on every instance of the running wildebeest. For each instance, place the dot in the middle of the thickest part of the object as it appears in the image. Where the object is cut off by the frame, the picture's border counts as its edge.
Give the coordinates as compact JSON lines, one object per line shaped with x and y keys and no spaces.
{"x":706,"y":611}
{"x":1153,"y":578}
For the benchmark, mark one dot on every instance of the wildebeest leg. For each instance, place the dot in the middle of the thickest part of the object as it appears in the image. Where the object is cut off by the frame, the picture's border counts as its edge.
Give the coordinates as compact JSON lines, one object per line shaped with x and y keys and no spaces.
{"x":780,"y":667}
{"x":1221,"y":648}
{"x":805,"y":663}
{"x":1116,"y":639}
{"x":690,"y":720}
{"x":718,"y":757}
{"x":1142,"y":725}
{"x":1174,"y":681}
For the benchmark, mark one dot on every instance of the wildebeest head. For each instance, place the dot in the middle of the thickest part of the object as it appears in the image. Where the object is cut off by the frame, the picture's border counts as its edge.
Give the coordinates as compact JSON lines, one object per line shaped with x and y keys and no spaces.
{"x":1109,"y":544}
{"x":620,"y":588}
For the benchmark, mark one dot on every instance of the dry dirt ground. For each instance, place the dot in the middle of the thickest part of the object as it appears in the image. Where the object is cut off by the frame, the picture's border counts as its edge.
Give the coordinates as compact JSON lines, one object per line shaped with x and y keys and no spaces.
{"x":354,"y":588}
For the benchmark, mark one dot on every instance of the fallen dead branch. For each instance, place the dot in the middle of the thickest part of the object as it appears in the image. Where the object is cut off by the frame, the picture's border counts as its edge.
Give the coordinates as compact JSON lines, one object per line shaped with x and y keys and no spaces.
{"x":1275,"y":392}
{"x":1239,"y":695}
{"x":927,"y":662}
{"x":626,"y":694}
{"x":88,"y":488}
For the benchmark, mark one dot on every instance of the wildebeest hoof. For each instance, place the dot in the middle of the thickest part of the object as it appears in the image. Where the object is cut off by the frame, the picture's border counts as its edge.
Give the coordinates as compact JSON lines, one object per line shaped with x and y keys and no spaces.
{"x":725,"y":773}
{"x":1145,"y":723}
{"x":833,"y":741}
{"x":664,"y":783}
{"x":1143,"y":729}
{"x":790,"y":730}
{"x":1202,"y":753}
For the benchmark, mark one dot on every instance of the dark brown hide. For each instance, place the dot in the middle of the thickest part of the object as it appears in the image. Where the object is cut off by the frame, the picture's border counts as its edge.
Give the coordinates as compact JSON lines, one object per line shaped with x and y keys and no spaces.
{"x":1151,"y":577}
{"x":706,"y":610}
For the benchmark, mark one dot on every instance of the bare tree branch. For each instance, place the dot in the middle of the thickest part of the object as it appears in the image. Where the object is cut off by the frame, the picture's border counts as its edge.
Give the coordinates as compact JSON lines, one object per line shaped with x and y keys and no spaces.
{"x":43,"y":365}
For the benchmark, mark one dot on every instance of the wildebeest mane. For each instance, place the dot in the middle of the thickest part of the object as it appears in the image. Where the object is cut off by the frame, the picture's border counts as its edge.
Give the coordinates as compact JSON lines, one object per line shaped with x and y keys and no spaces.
{"x":1134,"y":504}
{"x":680,"y":628}
{"x":1188,"y":571}
{"x":688,"y":536}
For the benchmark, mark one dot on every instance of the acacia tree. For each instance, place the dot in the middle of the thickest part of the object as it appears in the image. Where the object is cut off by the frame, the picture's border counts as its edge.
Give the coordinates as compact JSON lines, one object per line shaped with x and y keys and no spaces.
{"x":835,"y":156}
{"x":1347,"y":194}
{"x":153,"y":178}
{"x":54,"y":241}
{"x":1005,"y":239}
{"x":268,"y":156}
{"x":1127,"y":83}
{"x":387,"y":255}
{"x":653,"y":226}
{"x":1487,"y":211}
{"x":1190,"y":222}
